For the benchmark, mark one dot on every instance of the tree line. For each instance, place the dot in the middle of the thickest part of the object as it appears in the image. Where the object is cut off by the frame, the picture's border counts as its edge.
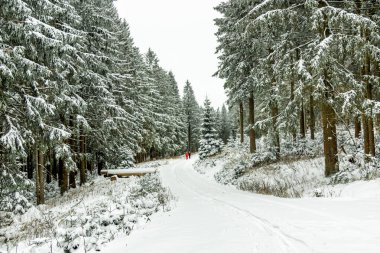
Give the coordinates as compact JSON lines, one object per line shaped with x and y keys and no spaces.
{"x":77,"y":95}
{"x":302,"y":67}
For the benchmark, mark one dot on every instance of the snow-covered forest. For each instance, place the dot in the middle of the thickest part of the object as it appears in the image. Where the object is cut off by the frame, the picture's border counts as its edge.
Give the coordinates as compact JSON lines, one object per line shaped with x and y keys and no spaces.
{"x":102,"y":150}
{"x":77,"y":96}
{"x":302,"y":67}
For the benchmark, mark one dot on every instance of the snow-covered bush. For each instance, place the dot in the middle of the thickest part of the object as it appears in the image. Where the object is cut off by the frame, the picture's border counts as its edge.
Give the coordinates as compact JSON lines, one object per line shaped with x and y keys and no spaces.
{"x":90,"y":216}
{"x":258,"y":173}
{"x":300,"y":168}
{"x":15,"y":191}
{"x":355,"y":167}
{"x":283,"y":179}
{"x":303,"y":147}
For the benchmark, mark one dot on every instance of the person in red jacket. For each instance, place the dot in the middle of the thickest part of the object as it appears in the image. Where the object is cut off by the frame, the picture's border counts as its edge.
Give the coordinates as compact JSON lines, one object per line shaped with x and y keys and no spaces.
{"x":187,"y":155}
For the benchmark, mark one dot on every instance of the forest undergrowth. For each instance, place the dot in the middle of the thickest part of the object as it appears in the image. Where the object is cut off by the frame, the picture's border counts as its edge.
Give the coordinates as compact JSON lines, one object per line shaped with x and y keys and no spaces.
{"x":87,"y":217}
{"x":297,"y":173}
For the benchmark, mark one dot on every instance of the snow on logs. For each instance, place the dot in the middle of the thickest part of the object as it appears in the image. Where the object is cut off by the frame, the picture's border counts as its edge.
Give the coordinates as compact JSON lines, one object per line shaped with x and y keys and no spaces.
{"x":137,"y":172}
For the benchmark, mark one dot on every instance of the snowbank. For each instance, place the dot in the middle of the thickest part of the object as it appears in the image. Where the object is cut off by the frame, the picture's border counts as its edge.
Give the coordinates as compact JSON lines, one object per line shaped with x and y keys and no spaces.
{"x":87,"y":218}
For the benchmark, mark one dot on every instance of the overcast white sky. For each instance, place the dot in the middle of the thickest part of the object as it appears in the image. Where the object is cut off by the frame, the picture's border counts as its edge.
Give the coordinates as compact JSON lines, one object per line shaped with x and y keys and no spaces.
{"x":181,"y":32}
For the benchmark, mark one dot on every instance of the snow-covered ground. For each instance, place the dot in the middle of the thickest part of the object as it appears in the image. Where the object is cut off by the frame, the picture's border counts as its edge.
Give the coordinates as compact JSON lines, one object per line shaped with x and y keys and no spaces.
{"x":87,"y":218}
{"x":207,"y":217}
{"x":210,"y":217}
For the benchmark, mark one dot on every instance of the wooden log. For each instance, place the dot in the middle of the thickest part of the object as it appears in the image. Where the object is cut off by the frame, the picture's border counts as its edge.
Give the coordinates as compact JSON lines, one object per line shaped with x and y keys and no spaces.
{"x":127,"y":172}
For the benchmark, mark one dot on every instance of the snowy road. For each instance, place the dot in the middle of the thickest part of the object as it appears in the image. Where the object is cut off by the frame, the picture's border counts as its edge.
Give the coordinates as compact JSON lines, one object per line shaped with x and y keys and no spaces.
{"x":210,"y":217}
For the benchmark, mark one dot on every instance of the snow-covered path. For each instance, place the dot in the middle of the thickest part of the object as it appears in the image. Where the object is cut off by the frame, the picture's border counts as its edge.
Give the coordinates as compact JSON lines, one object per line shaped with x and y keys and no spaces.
{"x":210,"y":217}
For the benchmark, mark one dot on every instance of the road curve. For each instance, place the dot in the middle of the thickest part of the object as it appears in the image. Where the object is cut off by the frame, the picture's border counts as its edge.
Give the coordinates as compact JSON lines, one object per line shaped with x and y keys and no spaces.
{"x":209,"y":217}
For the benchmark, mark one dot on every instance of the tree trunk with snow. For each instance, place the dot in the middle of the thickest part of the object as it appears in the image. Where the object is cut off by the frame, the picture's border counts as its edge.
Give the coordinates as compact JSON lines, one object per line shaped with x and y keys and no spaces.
{"x":329,"y":131}
{"x":330,"y":143}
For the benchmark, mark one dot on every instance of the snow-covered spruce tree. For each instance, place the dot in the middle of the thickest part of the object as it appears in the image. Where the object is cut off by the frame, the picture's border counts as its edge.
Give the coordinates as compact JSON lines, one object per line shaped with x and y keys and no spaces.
{"x":13,"y":128}
{"x":42,"y":41}
{"x":210,"y":143}
{"x":192,"y":115}
{"x":75,"y":92}
{"x":167,"y":121}
{"x":237,"y":61}
{"x":178,"y":133}
{"x":305,"y":53}
{"x":109,"y":114}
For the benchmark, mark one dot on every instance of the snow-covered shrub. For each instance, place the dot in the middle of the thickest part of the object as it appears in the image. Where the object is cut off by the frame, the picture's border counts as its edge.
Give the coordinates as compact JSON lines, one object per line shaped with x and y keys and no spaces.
{"x":154,"y":164}
{"x":148,"y":194}
{"x":15,"y":191}
{"x":92,"y":215}
{"x":52,"y":190}
{"x":283,"y":179}
{"x":303,"y":147}
{"x":355,"y":167}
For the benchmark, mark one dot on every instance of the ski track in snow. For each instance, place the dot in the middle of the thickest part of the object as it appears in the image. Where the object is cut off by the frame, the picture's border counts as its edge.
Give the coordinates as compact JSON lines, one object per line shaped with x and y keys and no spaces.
{"x":210,"y":217}
{"x":284,"y":240}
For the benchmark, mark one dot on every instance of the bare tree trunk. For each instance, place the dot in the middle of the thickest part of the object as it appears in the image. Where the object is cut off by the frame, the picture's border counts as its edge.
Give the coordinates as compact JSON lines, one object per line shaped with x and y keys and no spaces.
{"x":40,"y":179}
{"x":329,"y":139}
{"x":367,"y":121}
{"x":55,"y":167}
{"x":328,"y":114}
{"x":252,"y":137}
{"x":65,"y":177}
{"x":372,"y":147}
{"x":72,"y":144}
{"x":30,"y":165}
{"x":241,"y":123}
{"x":274,"y":111}
{"x":357,"y":127}
{"x":312,"y":118}
{"x":100,"y":163}
{"x":294,"y":134}
{"x":302,"y":121}
{"x":83,"y":160}
{"x":49,"y":170}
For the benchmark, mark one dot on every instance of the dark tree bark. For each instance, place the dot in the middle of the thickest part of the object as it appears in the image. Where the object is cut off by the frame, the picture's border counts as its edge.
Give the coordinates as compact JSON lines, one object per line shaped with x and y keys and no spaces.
{"x":358,"y":127}
{"x":49,"y":170}
{"x":100,"y":163}
{"x":312,"y":118}
{"x":302,"y":122}
{"x":293,"y":130}
{"x":65,"y":177}
{"x":274,"y":111}
{"x":252,"y":137}
{"x":30,"y":165}
{"x":73,"y":147}
{"x":83,"y":160}
{"x":40,"y":178}
{"x":72,"y":180}
{"x":54,"y":167}
{"x":329,"y":139}
{"x":241,"y":113}
{"x":328,"y":114}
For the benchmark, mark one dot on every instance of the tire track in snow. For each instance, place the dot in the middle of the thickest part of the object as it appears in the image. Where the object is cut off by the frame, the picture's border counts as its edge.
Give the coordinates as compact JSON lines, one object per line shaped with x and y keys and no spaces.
{"x":288,"y":243}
